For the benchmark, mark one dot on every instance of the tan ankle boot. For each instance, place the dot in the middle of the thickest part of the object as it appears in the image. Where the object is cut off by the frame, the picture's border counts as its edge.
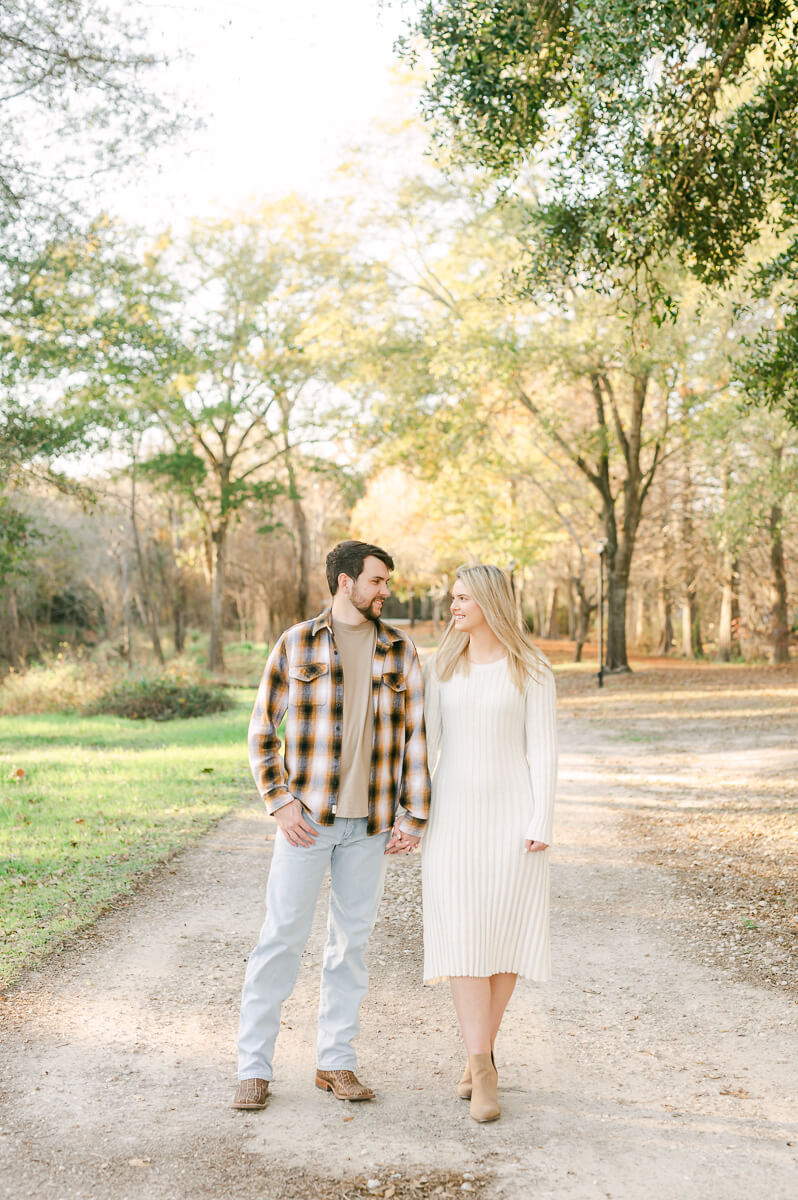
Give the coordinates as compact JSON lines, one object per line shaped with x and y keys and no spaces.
{"x":484,"y":1087}
{"x":464,"y":1086}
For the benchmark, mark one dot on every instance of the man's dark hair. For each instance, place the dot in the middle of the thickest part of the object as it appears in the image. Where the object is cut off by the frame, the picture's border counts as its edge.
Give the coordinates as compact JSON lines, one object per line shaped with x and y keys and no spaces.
{"x":348,"y":557}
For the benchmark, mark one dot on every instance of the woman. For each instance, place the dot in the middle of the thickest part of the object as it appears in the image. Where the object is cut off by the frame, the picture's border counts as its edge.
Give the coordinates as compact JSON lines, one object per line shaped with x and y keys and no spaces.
{"x":491,"y":732}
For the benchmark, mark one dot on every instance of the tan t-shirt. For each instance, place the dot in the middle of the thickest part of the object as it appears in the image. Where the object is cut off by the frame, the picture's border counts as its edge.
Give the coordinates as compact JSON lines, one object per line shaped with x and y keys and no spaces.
{"x":355,"y":644}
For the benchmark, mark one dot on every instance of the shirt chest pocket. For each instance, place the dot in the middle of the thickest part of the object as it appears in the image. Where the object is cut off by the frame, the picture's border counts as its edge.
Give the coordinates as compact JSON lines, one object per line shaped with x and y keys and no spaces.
{"x":309,"y":685}
{"x":393,"y":691}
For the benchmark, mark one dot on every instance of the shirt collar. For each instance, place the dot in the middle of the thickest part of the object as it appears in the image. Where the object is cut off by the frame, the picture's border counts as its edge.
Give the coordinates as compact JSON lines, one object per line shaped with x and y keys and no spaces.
{"x":386,"y":636}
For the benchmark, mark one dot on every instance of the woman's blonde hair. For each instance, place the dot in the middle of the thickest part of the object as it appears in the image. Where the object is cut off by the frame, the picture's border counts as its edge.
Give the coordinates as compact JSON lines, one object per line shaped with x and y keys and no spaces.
{"x":492,"y":591}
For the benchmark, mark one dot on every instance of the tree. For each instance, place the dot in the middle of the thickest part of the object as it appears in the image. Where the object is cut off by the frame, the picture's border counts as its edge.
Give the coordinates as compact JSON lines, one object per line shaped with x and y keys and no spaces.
{"x":74,"y":101}
{"x":654,"y":130}
{"x":261,"y":317}
{"x":78,"y":307}
{"x":661,"y":126}
{"x":753,"y":460}
{"x":584,"y":377}
{"x":76,"y":98}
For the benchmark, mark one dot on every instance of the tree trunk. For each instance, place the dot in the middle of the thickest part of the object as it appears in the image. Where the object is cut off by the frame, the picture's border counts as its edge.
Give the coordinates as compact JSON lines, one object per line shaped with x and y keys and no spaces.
{"x":618,"y":560}
{"x":179,"y":615}
{"x":617,"y":591}
{"x":411,"y":609}
{"x":641,"y":622}
{"x":179,"y":587}
{"x":692,"y":645}
{"x":303,"y":578}
{"x":728,"y":626}
{"x":218,"y":580}
{"x":519,"y":591}
{"x":242,"y":617}
{"x":127,"y":640}
{"x":665,"y":643}
{"x":11,"y":649}
{"x":780,"y":623}
{"x":584,"y":611}
{"x":552,"y":615}
{"x":538,"y":609}
{"x":572,"y":606}
{"x":149,"y":613}
{"x":691,"y":618}
{"x":300,"y":528}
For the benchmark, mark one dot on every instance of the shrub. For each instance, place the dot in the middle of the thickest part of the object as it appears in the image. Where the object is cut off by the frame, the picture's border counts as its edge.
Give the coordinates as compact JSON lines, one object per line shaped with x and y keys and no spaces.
{"x":159,"y":698}
{"x":64,"y":685}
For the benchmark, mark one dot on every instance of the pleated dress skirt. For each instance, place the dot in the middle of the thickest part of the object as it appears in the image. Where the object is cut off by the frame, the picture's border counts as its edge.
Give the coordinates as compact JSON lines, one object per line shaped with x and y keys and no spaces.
{"x":485,"y":901}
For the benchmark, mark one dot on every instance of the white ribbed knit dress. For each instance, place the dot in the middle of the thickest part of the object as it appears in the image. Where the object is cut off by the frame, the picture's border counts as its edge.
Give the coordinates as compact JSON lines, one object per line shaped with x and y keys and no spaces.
{"x":493,"y":754}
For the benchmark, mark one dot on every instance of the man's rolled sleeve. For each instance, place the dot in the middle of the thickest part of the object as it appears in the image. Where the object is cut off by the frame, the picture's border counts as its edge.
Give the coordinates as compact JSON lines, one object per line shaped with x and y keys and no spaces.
{"x":265,"y":759}
{"x":415,"y":797}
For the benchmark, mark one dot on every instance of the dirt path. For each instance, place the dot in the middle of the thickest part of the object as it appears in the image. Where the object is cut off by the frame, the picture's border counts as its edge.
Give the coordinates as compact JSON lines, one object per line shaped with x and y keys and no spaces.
{"x":637,"y":1072}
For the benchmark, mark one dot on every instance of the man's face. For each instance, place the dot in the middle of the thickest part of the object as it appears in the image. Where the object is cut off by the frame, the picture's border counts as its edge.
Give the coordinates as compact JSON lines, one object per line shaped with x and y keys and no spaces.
{"x":370,"y":590}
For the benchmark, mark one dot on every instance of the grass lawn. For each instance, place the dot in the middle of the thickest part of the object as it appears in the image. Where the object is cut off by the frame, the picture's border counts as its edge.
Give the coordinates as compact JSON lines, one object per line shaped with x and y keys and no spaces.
{"x":88,"y":803}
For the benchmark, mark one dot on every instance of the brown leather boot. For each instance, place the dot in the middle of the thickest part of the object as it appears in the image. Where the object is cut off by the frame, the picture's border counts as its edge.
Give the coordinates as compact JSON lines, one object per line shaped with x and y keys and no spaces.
{"x":344,"y":1085}
{"x":251,"y":1093}
{"x":484,"y":1088}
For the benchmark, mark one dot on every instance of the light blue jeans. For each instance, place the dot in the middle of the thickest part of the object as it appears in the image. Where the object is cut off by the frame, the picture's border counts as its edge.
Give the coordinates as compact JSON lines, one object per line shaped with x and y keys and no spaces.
{"x":357,"y":874}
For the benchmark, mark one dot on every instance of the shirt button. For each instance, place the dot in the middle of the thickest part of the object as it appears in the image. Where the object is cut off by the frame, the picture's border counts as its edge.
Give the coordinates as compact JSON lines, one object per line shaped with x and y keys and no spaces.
{"x":337,"y":728}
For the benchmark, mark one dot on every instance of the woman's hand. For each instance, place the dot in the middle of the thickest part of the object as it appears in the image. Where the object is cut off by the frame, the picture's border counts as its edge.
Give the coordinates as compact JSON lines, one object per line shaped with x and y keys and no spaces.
{"x":533,"y":847}
{"x":401,"y":843}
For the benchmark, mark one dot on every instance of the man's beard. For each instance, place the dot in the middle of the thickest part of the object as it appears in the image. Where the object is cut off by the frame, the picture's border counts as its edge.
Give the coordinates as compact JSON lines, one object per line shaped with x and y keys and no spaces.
{"x":366,"y":609}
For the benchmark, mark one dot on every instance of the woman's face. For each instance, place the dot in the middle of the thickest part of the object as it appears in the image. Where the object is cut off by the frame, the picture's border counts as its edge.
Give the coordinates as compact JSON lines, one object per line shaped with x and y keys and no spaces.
{"x":468,"y":616}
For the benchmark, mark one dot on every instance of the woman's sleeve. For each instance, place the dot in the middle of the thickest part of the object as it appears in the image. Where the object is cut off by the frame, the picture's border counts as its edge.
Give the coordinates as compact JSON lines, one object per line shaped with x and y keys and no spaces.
{"x":541,"y":752}
{"x":432,"y":714}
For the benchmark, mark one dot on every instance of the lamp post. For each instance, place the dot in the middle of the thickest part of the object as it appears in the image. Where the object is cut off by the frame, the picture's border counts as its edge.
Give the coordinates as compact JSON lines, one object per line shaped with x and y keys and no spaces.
{"x":602,"y":550}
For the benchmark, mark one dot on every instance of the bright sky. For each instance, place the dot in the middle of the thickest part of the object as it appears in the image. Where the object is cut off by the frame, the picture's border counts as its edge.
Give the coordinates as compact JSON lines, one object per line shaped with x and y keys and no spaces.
{"x":283,"y":86}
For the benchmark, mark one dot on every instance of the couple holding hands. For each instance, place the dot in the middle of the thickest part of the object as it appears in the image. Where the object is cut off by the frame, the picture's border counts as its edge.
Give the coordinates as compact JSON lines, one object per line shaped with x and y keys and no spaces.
{"x":362,"y":736}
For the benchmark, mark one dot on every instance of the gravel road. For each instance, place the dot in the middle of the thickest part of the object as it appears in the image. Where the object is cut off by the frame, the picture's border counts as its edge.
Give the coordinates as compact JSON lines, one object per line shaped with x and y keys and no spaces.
{"x":639,"y":1072}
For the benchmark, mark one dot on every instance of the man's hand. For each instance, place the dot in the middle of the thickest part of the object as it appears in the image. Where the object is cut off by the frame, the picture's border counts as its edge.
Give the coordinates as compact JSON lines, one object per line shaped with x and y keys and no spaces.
{"x":293,"y":826}
{"x":534,"y":847}
{"x":401,"y":843}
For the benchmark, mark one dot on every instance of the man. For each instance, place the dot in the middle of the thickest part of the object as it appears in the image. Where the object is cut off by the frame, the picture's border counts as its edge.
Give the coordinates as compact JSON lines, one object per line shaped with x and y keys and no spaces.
{"x":352,"y":788}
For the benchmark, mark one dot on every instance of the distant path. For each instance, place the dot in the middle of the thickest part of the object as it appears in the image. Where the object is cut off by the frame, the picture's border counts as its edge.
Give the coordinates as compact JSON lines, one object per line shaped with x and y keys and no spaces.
{"x":635,"y":1074}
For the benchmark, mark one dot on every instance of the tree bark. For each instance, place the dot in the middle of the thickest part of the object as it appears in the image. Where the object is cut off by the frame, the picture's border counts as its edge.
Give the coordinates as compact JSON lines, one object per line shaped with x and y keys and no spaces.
{"x":145,"y":590}
{"x":127,"y":638}
{"x":692,"y":645}
{"x":300,"y":520}
{"x":728,"y":625}
{"x":572,"y":607}
{"x":179,"y":614}
{"x":179,"y":587}
{"x":665,"y":643}
{"x":303,"y":566}
{"x":617,"y":592}
{"x":585,"y":608}
{"x":780,"y":622}
{"x":552,"y":614}
{"x":640,"y":621}
{"x":12,"y":647}
{"x":218,"y":580}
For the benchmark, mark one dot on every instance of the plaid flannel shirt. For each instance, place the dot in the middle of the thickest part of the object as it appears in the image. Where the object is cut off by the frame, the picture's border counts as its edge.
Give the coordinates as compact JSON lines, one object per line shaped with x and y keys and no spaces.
{"x":304,"y":681}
